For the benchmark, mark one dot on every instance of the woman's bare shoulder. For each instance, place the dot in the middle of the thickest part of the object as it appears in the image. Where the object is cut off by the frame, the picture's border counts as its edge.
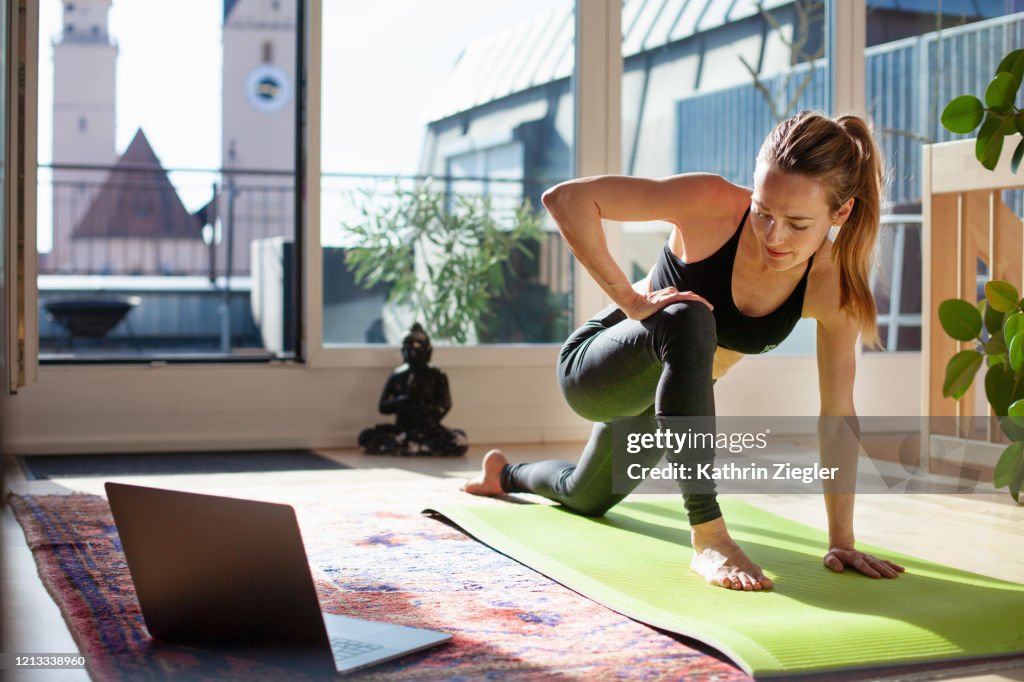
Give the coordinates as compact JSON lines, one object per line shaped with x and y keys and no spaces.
{"x":821,"y":300}
{"x":710,"y":197}
{"x":709,"y":219}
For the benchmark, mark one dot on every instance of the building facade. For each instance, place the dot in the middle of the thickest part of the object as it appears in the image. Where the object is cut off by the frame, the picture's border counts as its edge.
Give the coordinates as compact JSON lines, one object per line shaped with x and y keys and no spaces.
{"x":84,"y":120}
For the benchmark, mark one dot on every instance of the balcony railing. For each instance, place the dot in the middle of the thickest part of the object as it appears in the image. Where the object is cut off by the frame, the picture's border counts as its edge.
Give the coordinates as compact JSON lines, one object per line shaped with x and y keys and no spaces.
{"x":906,"y":82}
{"x":204,"y":253}
{"x":123,"y":220}
{"x":971,"y":234}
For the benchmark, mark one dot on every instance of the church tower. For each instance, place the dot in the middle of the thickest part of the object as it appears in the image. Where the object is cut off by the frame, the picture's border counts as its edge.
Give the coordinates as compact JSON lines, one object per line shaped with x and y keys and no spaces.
{"x":258,"y":129}
{"x":84,"y":65}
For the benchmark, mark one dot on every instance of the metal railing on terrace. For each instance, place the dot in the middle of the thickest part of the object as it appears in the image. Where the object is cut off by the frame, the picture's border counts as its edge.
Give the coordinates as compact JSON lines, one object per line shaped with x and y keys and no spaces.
{"x":343,"y":196}
{"x":908,"y":83}
{"x":146,"y":220}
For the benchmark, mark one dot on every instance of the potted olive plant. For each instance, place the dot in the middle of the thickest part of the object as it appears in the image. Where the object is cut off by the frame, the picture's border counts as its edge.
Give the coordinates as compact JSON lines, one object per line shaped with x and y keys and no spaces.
{"x":446,"y":257}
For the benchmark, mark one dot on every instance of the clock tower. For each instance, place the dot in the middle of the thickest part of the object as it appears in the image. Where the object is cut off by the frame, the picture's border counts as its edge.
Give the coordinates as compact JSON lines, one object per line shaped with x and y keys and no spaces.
{"x":84,"y":67}
{"x":258,"y":125}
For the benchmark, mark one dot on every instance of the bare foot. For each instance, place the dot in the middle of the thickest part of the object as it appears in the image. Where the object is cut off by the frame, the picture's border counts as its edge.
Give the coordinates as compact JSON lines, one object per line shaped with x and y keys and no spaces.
{"x":720,"y":561}
{"x":489,"y":481}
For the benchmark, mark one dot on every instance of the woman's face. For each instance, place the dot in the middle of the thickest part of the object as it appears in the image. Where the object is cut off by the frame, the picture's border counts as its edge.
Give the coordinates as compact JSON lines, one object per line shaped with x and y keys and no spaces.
{"x":790,"y":216}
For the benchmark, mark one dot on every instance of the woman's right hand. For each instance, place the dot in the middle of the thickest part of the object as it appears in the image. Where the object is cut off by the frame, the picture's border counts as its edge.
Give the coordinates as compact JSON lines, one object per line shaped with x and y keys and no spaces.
{"x":647,"y":303}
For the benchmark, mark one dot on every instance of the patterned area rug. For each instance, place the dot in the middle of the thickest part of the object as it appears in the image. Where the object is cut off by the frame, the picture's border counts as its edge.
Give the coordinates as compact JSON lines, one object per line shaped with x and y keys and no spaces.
{"x":385,"y":563}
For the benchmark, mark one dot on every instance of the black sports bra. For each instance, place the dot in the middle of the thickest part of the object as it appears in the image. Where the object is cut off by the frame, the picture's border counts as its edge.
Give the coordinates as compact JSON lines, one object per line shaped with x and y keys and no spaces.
{"x":712,"y":279}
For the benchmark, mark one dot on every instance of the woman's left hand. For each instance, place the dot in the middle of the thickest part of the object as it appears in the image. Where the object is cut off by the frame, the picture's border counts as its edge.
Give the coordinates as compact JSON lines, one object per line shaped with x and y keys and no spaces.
{"x":838,"y":558}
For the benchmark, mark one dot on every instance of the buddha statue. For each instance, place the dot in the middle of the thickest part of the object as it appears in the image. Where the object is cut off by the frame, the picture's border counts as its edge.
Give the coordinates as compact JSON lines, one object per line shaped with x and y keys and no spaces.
{"x":417,"y":394}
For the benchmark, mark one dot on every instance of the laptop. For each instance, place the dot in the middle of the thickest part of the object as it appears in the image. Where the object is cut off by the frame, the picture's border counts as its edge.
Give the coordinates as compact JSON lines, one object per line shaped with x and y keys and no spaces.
{"x":229,"y":573}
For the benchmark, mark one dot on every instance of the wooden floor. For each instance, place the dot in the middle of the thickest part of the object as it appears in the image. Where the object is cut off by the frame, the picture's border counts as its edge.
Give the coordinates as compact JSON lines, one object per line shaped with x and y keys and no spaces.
{"x":971,"y":532}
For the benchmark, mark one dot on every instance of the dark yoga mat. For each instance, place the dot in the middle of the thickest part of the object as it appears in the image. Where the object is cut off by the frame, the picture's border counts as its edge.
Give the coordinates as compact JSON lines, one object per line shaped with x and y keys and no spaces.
{"x":154,"y":463}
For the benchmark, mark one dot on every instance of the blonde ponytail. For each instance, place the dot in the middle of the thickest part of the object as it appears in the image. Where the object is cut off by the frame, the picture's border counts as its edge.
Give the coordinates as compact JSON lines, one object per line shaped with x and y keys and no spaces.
{"x":855,"y":245}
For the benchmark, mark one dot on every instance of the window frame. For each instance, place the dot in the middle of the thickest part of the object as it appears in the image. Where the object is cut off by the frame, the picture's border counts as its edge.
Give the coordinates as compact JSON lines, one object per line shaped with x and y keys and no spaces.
{"x":323,"y":398}
{"x":596,"y":79}
{"x":21,"y":325}
{"x":597,"y":149}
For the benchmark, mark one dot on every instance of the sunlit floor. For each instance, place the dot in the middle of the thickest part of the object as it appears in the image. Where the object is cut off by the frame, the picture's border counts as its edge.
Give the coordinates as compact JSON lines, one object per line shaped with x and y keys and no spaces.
{"x":978,"y":533}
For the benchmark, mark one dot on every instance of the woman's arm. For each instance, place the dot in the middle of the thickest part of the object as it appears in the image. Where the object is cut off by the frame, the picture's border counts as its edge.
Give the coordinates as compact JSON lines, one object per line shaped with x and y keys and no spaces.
{"x":839,"y":440}
{"x":838,"y":429}
{"x":579,"y":206}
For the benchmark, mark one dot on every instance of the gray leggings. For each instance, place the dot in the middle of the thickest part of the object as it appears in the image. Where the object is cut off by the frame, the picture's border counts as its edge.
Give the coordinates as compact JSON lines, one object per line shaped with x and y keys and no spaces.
{"x":616,"y":367}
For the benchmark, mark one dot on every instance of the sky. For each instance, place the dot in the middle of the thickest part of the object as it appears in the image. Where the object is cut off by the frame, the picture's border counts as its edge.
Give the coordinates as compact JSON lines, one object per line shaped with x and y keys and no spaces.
{"x":382,"y":59}
{"x":176,"y":99}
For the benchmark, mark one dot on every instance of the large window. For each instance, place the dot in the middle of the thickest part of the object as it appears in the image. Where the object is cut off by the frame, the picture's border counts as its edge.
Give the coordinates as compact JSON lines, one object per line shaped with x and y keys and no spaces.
{"x":166,"y":182}
{"x":915,"y":63}
{"x":436,"y":147}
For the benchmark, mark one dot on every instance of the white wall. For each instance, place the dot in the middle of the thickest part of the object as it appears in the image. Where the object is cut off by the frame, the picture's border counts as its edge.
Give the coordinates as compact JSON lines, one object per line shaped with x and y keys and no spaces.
{"x":515,"y":399}
{"x":106,"y":409}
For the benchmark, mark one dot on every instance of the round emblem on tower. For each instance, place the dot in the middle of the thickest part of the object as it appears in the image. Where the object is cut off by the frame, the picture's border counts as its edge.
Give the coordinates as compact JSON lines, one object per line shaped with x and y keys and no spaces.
{"x":268,"y":88}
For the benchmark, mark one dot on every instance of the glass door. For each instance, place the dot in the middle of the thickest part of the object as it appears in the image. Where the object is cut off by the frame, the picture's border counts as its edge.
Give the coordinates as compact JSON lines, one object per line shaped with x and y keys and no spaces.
{"x":167,"y":176}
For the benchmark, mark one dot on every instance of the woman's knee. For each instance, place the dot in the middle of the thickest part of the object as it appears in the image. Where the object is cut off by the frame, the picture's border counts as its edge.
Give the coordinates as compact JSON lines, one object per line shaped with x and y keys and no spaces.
{"x":692,"y":316}
{"x":687,"y":327}
{"x":589,"y":507}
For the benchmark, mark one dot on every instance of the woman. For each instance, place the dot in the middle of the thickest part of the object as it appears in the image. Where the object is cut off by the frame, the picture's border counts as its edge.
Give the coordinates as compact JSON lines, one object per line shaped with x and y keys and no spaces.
{"x":717,"y":292}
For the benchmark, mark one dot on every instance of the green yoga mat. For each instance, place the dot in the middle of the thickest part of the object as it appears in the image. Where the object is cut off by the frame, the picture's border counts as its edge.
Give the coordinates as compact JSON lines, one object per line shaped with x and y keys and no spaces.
{"x":635,"y":560}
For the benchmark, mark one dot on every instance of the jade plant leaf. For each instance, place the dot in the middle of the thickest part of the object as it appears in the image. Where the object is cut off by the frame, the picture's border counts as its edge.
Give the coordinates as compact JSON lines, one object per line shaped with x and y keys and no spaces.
{"x":960,"y":373}
{"x":996,"y":344}
{"x":993,"y":318}
{"x":1000,"y":93}
{"x":999,"y":380}
{"x":994,"y":149}
{"x":1013,"y":63}
{"x":1013,"y":423}
{"x":1018,"y":156}
{"x":1010,"y":464}
{"x":993,"y":360}
{"x":963,"y":114}
{"x":989,"y":144}
{"x":1013,"y":324}
{"x":1016,"y":348}
{"x":1015,"y":412}
{"x":960,"y":319}
{"x":1001,"y":295}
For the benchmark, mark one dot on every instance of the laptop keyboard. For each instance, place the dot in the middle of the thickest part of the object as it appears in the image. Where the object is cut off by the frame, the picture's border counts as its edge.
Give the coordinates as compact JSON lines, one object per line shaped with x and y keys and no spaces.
{"x":347,"y":648}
